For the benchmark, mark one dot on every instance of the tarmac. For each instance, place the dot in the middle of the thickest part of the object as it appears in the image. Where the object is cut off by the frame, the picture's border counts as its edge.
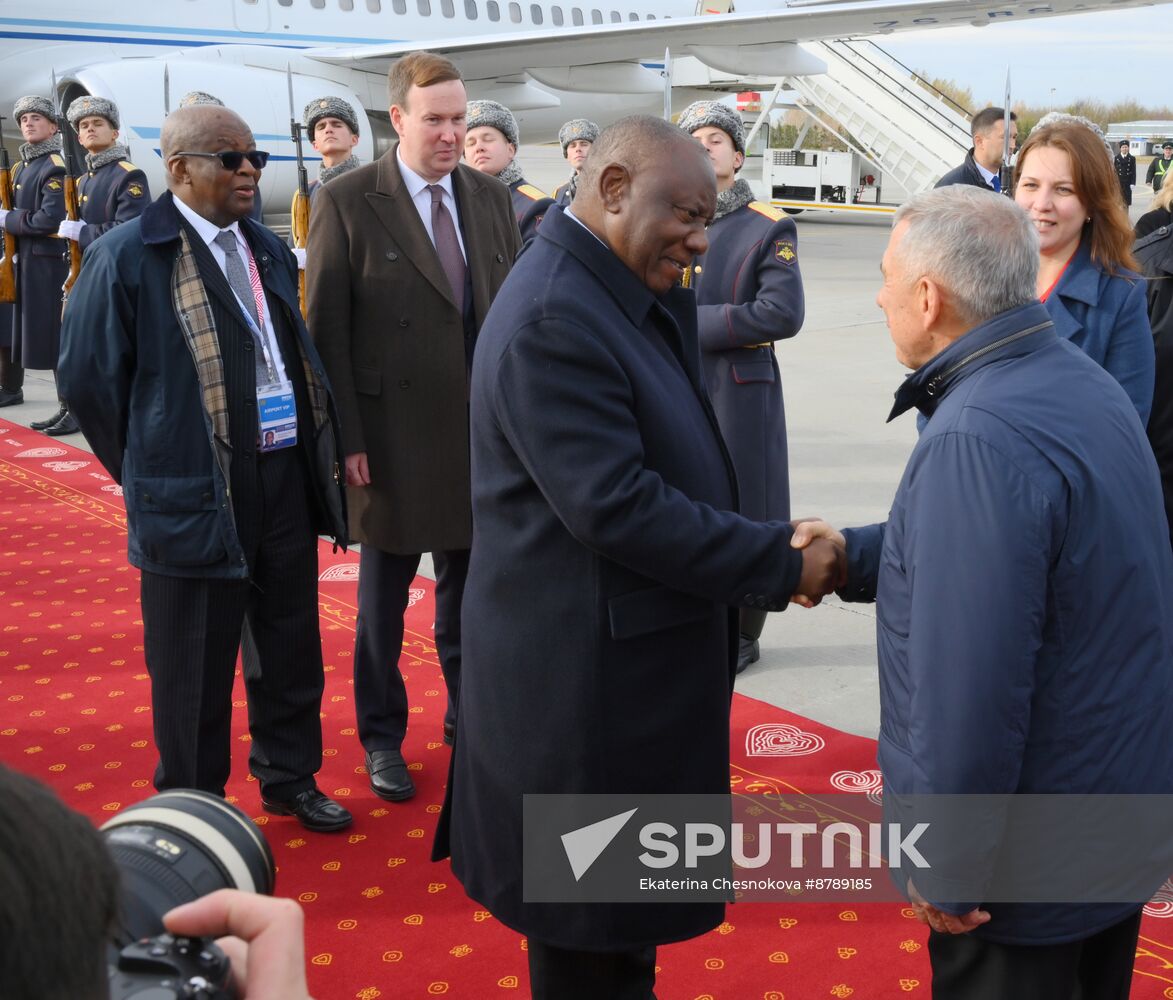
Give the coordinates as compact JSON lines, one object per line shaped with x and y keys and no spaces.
{"x":839,"y":375}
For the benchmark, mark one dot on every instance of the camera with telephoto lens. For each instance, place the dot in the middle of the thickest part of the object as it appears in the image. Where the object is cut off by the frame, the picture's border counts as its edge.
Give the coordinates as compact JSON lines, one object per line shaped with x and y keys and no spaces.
{"x":169,"y":850}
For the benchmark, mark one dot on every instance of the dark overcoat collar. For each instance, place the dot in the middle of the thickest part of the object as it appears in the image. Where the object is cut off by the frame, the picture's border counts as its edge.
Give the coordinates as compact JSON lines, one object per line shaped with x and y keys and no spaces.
{"x":676,"y":309}
{"x":1010,"y":334}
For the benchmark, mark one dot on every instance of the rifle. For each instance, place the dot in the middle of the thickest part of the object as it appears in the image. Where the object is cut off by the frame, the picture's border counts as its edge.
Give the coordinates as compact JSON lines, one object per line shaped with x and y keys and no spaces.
{"x":72,"y":210}
{"x":300,"y":214}
{"x":1006,"y":171}
{"x":7,"y":268}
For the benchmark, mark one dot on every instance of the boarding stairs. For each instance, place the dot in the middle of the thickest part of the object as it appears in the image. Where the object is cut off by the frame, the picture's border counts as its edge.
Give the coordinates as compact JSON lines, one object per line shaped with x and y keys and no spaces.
{"x":913,"y":134}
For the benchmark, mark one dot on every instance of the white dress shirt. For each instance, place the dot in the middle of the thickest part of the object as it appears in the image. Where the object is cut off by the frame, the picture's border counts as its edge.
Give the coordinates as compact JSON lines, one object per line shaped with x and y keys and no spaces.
{"x":208,"y":231}
{"x":421,"y":197}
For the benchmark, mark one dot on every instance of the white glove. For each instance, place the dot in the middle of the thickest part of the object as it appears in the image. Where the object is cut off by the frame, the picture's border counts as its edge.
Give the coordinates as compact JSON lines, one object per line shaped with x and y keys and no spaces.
{"x":299,"y":253}
{"x":3,"y":218}
{"x":69,"y":229}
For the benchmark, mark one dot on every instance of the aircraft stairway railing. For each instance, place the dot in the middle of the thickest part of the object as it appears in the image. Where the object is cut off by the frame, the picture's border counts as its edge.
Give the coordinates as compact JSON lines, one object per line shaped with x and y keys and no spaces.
{"x":912,"y":135}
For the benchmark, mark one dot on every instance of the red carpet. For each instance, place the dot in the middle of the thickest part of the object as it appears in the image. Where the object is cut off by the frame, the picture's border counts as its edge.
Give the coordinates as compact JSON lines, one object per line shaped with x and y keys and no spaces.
{"x":383,"y":921}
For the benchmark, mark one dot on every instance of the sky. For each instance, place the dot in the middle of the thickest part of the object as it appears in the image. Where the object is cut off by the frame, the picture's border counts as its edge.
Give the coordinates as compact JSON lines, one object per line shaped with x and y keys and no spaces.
{"x":1108,"y":56}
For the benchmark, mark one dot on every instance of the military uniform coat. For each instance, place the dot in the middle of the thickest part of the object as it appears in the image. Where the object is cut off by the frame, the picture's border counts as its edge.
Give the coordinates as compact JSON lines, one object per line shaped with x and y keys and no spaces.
{"x":598,"y":637}
{"x":114,"y":193}
{"x":383,"y":316}
{"x":1126,"y":174}
{"x":38,"y":210}
{"x":530,"y":206}
{"x":749,"y":294}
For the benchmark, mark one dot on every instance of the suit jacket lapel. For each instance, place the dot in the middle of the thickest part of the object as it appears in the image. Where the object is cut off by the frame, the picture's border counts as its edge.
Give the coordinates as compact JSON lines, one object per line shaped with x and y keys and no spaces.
{"x":397,"y":214}
{"x":477,"y":227}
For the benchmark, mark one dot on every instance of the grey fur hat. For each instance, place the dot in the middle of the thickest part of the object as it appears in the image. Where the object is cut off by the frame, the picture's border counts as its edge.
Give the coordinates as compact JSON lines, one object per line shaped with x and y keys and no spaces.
{"x":196,"y":97}
{"x":34,"y":104}
{"x":329,"y":107}
{"x":88,"y":107}
{"x":491,"y":113}
{"x":577,"y":128}
{"x":718,"y":115}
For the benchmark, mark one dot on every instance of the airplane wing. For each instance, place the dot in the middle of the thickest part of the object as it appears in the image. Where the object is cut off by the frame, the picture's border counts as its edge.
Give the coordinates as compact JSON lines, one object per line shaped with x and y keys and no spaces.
{"x":743,"y":40}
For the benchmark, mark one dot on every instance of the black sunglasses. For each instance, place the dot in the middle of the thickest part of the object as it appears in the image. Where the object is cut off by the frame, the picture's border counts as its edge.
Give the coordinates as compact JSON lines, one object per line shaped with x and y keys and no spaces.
{"x":232,"y":159}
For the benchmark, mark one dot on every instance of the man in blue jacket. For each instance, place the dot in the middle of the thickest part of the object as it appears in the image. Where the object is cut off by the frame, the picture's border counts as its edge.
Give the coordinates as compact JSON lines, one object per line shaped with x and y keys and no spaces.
{"x":1022,"y":582}
{"x":185,"y":360}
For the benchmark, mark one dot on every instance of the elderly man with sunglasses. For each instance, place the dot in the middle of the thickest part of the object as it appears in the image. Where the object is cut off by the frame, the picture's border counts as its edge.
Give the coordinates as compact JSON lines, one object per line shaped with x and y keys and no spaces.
{"x":186,"y":362}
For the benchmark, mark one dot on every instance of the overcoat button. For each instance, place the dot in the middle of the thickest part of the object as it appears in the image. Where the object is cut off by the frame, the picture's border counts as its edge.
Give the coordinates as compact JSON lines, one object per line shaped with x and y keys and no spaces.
{"x":392,"y":255}
{"x":500,"y":259}
{"x":403,"y":322}
{"x":404,"y":383}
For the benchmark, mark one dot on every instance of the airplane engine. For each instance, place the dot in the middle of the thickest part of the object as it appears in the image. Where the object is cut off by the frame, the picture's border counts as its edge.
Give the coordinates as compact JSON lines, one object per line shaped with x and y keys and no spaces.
{"x":258,"y":94}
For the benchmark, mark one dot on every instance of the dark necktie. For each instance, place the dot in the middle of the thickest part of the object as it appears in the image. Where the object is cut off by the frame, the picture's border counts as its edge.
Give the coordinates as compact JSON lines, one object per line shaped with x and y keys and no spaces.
{"x":447,"y":245}
{"x":242,"y":288}
{"x":996,"y":182}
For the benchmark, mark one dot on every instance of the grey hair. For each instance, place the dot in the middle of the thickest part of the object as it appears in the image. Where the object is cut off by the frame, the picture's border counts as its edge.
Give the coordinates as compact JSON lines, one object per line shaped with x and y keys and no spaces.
{"x":977,"y":244}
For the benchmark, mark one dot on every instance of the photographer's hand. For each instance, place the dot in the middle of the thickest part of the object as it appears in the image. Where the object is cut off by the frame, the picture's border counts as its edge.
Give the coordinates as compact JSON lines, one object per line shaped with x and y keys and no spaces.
{"x":265,"y":940}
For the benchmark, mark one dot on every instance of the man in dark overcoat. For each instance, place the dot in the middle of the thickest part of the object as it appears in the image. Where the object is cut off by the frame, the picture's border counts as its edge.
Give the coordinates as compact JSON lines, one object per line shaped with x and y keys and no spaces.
{"x":608,"y":558}
{"x":1125,"y":164}
{"x":983,"y":162}
{"x":405,"y":257}
{"x":1154,"y":251}
{"x":38,"y":188}
{"x":183,"y":351}
{"x":749,"y":294}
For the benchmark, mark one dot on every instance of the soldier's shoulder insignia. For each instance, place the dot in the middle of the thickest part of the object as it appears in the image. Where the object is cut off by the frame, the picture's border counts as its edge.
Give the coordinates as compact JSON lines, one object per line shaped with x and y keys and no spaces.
{"x":530,"y":191}
{"x":785,"y":252}
{"x":135,"y":190}
{"x":127,"y":166}
{"x":769,"y":211}
{"x":54,"y":185}
{"x":57,"y":160}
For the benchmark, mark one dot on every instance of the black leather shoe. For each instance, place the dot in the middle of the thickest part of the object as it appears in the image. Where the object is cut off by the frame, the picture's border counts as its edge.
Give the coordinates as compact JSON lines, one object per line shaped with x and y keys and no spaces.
{"x":44,"y":425}
{"x":449,"y":733}
{"x":748,"y":652}
{"x":66,"y":425}
{"x":8,"y":398}
{"x":389,"y":777}
{"x":313,"y":810}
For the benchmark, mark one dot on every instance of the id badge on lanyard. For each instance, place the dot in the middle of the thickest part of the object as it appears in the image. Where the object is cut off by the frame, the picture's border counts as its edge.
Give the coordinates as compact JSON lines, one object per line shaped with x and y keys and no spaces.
{"x":277,"y":412}
{"x":276,"y":405}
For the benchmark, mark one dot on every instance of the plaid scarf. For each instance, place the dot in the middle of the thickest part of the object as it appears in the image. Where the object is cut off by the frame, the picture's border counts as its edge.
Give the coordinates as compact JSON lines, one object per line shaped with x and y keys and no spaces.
{"x":190,"y":299}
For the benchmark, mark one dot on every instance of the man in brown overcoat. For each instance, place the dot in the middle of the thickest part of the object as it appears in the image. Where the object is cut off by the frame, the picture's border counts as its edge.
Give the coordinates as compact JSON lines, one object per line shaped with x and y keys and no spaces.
{"x":406,"y":255}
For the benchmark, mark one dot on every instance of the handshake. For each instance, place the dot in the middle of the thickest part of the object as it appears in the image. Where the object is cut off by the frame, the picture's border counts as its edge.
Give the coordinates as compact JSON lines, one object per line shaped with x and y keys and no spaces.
{"x":824,"y":560}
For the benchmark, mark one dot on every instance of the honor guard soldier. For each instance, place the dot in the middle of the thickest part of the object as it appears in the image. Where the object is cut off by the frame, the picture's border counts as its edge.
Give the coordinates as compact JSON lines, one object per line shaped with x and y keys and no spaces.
{"x":112,"y":190}
{"x":194,"y":98}
{"x":576,"y":138}
{"x":490,"y":146}
{"x":749,"y":294}
{"x":32,"y":338}
{"x":332,"y":127}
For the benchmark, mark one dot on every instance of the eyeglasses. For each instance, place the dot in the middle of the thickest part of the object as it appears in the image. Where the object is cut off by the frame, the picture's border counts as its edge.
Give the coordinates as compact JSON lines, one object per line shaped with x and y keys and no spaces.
{"x":232,"y":159}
